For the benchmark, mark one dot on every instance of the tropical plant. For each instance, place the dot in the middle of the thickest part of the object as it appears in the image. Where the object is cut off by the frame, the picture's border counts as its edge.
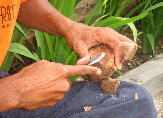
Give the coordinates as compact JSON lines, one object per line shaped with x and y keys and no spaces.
{"x":106,"y":13}
{"x":19,"y":35}
{"x":55,"y":48}
{"x":152,"y":26}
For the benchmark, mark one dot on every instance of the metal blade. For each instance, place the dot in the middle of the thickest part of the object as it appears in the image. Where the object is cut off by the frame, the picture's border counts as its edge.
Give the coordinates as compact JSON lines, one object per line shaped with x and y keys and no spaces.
{"x":96,"y":59}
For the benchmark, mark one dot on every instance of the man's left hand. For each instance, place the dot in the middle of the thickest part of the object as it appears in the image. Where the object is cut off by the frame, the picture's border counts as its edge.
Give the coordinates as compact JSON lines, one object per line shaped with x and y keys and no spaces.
{"x":82,"y":37}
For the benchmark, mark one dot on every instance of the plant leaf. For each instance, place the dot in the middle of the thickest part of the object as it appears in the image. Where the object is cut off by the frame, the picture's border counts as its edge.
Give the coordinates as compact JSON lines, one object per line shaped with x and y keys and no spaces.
{"x":22,"y":50}
{"x":152,"y":41}
{"x":129,"y":20}
{"x":154,"y":7}
{"x":21,"y":30}
{"x":120,"y":10}
{"x":134,"y":30}
{"x":40,"y":43}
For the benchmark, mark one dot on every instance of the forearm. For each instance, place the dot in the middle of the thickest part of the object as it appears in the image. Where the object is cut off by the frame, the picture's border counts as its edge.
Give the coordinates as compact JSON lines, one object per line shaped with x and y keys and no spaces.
{"x":8,"y":94}
{"x":40,"y":14}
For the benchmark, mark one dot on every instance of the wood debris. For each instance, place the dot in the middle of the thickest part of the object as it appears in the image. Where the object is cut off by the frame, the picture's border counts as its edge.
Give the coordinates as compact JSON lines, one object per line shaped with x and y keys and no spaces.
{"x":136,"y":96}
{"x":87,"y":108}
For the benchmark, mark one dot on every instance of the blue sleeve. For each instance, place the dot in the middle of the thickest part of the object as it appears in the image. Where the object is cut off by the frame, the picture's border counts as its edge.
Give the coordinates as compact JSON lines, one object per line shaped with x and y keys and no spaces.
{"x":3,"y":74}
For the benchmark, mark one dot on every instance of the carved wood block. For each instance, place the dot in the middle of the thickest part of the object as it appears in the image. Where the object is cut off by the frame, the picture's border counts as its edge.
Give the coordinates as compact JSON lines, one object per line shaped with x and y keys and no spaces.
{"x":107,"y":66}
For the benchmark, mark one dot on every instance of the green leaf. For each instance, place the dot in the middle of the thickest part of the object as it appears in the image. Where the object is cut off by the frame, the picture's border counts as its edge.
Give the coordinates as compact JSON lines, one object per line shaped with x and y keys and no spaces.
{"x":21,"y":30}
{"x":40,"y":43}
{"x":7,"y":62}
{"x":22,"y":50}
{"x":19,"y":58}
{"x":70,"y":57}
{"x":113,"y":6}
{"x":68,"y":8}
{"x":119,"y":72}
{"x":136,"y":8}
{"x":115,"y":22}
{"x":134,"y":30}
{"x":120,"y":10}
{"x":152,"y":41}
{"x":129,"y":20}
{"x":154,"y":7}
{"x":97,"y":20}
{"x":106,"y":22}
{"x":50,"y":42}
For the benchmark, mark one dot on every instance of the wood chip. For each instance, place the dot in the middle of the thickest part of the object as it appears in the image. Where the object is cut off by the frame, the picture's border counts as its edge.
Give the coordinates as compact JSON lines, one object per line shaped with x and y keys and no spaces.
{"x":80,"y":79}
{"x":88,"y":108}
{"x":136,"y":96}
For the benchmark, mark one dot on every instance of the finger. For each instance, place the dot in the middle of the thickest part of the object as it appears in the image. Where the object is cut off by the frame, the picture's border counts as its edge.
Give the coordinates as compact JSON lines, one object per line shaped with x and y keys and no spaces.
{"x":118,"y":56}
{"x":54,"y":96}
{"x":120,"y":36}
{"x":48,"y":104}
{"x":54,"y":99}
{"x":115,"y":44}
{"x":118,"y":62}
{"x":82,"y":70}
{"x":59,"y":96}
{"x":83,"y":60}
{"x":82,"y":51}
{"x":60,"y":85}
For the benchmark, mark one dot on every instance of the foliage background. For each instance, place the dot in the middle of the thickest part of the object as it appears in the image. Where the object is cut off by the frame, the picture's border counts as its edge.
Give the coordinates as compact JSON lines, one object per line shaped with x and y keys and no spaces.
{"x":106,"y":13}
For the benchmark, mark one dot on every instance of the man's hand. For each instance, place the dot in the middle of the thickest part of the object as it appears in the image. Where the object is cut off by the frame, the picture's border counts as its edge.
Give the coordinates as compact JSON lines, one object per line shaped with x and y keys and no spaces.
{"x":41,"y":84}
{"x":82,"y":37}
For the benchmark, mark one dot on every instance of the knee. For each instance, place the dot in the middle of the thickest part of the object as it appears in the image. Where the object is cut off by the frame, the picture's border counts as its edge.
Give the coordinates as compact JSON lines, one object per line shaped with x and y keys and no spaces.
{"x":137,"y":98}
{"x":134,"y":92}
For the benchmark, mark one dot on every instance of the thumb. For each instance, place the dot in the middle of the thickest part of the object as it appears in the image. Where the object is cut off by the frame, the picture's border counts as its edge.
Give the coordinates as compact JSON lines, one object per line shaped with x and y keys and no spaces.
{"x":82,"y":51}
{"x":82,"y":70}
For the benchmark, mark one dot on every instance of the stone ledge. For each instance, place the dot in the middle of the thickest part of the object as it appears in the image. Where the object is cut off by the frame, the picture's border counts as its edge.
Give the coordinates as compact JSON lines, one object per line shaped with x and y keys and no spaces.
{"x":148,"y":71}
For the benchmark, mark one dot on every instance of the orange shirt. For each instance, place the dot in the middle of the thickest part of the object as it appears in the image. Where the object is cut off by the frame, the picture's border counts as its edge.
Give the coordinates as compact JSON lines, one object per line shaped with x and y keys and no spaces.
{"x":8,"y":15}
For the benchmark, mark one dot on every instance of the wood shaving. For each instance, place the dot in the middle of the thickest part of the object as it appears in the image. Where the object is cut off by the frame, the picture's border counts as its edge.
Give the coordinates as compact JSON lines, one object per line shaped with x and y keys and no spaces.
{"x":88,"y":108}
{"x":80,"y":79}
{"x":136,"y":96}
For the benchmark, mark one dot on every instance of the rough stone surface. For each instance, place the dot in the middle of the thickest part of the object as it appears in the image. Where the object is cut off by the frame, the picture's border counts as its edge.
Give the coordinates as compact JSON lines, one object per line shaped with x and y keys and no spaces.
{"x":159,"y":104}
{"x":145,"y":72}
{"x":150,"y":76}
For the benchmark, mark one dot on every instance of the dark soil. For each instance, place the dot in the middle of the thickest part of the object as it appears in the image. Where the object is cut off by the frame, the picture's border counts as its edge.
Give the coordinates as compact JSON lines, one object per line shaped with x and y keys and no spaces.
{"x":17,"y":65}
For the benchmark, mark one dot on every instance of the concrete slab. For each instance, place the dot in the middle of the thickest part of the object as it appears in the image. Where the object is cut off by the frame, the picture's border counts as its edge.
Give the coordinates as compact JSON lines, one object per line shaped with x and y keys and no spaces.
{"x":150,"y":76}
{"x":159,"y":104}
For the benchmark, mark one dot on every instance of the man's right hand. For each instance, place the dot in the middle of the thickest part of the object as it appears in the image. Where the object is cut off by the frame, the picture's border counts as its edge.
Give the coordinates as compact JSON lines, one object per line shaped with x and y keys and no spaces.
{"x":41,"y":84}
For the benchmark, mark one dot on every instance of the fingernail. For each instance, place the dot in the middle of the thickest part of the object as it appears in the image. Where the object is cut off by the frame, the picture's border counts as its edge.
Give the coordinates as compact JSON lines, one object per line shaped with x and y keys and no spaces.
{"x":83,"y":61}
{"x":99,"y":72}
